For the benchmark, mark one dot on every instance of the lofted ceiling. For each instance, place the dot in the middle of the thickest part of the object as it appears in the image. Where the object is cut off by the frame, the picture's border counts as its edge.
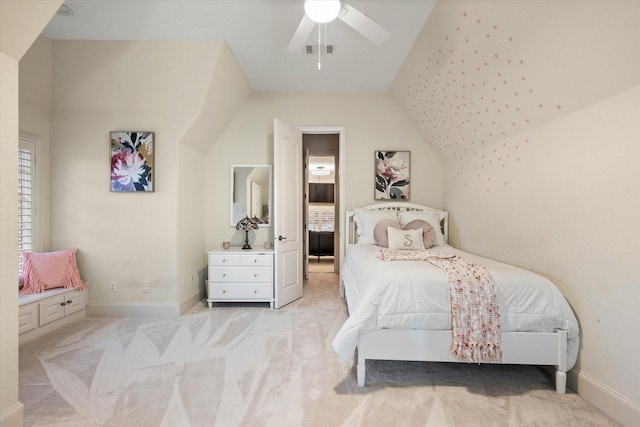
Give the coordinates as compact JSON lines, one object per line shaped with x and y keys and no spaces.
{"x":468,"y":73}
{"x":258,"y":33}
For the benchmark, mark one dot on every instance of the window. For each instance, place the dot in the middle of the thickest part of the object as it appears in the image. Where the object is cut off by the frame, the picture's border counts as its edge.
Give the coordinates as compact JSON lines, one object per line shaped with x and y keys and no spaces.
{"x":26,"y":197}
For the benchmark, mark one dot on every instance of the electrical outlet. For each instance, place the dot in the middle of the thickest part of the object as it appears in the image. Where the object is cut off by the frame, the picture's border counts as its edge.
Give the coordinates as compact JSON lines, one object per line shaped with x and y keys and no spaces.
{"x":112,"y":286}
{"x":146,"y":287}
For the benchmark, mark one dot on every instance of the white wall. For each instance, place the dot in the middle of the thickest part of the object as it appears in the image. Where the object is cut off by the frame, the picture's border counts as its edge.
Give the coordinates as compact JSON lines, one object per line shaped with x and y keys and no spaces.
{"x":191,"y":254}
{"x":165,"y":87}
{"x":372,"y":122}
{"x":567,"y":207}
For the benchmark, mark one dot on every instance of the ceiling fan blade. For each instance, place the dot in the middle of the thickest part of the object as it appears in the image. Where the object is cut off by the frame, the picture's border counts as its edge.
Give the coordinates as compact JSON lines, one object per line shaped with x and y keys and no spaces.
{"x":296,"y":45}
{"x":364,"y":25}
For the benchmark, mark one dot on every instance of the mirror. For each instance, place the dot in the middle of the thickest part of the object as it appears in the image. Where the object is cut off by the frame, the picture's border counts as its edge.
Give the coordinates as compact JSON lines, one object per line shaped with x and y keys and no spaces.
{"x":251,"y":193}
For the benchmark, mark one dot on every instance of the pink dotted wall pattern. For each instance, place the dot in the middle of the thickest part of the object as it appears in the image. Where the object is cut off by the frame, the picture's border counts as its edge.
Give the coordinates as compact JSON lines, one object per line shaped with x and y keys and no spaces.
{"x":472,"y":89}
{"x":483,"y":73}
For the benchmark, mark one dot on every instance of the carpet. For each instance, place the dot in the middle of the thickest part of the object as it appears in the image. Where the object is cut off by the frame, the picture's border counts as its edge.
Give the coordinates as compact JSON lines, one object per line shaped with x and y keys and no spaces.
{"x":248,"y":365}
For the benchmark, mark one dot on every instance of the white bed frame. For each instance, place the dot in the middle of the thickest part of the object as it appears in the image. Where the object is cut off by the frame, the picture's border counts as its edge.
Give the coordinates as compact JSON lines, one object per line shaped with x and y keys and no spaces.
{"x":522,"y":348}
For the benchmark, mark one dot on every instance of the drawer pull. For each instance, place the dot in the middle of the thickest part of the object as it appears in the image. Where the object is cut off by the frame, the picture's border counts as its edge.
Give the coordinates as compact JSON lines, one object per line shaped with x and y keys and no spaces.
{"x":63,"y":303}
{"x":224,"y":291}
{"x":69,"y":301}
{"x":224,"y":274}
{"x":255,"y":275}
{"x":255,"y":260}
{"x":255,"y":292}
{"x":224,"y":260}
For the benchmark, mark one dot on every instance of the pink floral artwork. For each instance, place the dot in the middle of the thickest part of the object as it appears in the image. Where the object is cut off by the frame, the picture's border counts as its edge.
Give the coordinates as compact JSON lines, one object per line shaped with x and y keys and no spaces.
{"x":132,"y":161}
{"x":392,"y":175}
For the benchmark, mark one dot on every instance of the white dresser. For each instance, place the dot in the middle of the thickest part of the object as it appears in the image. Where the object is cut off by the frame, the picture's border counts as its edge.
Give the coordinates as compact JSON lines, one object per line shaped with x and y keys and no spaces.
{"x":240,"y":275}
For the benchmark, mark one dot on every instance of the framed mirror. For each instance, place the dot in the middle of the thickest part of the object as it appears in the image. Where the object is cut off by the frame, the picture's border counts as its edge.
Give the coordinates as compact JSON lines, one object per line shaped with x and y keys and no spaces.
{"x":251,"y":193}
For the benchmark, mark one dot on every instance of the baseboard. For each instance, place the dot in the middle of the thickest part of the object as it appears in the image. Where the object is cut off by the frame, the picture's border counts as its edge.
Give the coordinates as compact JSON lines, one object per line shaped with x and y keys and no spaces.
{"x":607,"y":400}
{"x":187,"y":304}
{"x":13,"y":417}
{"x":132,"y":310}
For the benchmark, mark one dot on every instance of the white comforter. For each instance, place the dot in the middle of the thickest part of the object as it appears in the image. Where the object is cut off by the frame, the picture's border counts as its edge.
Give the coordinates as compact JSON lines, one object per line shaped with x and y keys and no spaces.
{"x":415,"y":295}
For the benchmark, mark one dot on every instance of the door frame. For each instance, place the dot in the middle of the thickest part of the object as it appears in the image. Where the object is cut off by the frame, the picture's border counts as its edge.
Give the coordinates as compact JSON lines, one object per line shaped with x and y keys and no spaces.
{"x":341,"y":208}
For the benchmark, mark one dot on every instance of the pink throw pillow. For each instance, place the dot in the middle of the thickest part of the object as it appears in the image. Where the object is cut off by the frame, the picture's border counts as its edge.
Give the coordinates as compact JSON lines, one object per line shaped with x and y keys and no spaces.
{"x":48,"y":270}
{"x":380,"y":232}
{"x":428,"y":233}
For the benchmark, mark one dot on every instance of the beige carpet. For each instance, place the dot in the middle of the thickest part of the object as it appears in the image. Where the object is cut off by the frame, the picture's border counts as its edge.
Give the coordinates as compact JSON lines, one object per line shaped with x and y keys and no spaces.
{"x":240,"y":365}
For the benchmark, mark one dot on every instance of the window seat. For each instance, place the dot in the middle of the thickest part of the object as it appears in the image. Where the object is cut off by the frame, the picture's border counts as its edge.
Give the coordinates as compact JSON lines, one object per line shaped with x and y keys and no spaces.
{"x":45,"y":311}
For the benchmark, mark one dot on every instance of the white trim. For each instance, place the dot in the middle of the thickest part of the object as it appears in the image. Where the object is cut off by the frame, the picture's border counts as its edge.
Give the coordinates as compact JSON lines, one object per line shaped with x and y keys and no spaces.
{"x":13,"y":417}
{"x":607,"y":400}
{"x":133,"y":310}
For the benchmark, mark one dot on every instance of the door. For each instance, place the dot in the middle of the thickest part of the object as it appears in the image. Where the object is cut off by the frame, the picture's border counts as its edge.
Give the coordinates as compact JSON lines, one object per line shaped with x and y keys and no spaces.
{"x":287,"y":185}
{"x":305,"y":215}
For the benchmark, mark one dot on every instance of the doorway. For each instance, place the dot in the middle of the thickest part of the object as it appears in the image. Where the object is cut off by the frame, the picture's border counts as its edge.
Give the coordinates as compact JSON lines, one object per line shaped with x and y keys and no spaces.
{"x":321,"y":202}
{"x":321,"y":213}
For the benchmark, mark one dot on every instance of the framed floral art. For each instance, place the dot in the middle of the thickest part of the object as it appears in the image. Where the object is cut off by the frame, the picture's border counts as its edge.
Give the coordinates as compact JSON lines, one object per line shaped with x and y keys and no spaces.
{"x":392,"y":175}
{"x":132,"y":155}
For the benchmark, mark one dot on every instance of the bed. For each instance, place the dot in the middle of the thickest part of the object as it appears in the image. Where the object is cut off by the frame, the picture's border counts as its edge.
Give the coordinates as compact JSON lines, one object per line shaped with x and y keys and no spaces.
{"x":400,"y":310}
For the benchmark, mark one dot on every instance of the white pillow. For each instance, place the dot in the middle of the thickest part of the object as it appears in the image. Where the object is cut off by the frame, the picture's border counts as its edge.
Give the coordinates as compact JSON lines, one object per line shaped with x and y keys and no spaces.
{"x":405,"y":239}
{"x":433,"y":217}
{"x":366,"y":221}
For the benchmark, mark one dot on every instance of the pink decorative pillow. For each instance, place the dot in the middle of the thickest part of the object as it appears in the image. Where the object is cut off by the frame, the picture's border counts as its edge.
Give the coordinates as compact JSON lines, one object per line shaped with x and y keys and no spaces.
{"x":48,"y":270}
{"x":380,"y":232}
{"x":428,"y":233}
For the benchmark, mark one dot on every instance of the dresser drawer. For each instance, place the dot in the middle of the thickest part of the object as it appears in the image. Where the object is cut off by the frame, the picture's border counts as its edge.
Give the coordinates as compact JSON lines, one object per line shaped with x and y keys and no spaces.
{"x":225,"y":259}
{"x":244,"y":274}
{"x":257,"y":259}
{"x":240,"y":291}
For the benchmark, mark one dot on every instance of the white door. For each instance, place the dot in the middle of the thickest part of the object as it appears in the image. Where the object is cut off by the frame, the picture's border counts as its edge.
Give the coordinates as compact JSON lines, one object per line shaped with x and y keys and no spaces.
{"x":287,"y":186}
{"x":305,"y":216}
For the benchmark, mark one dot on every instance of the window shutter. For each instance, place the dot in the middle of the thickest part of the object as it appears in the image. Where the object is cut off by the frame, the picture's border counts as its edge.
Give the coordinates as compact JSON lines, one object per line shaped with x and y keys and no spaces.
{"x":26,"y":208}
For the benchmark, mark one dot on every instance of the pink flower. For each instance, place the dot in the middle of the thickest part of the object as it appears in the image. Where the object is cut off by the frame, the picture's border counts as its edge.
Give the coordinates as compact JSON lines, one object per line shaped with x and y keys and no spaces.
{"x":128,"y":169}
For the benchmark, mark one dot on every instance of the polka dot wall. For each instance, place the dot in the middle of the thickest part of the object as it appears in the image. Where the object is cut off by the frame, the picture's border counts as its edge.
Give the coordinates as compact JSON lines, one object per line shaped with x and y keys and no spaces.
{"x":471,"y":89}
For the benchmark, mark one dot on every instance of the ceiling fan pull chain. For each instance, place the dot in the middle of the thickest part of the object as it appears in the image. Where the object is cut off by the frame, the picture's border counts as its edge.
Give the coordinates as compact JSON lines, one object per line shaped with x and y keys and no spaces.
{"x":319,"y":44}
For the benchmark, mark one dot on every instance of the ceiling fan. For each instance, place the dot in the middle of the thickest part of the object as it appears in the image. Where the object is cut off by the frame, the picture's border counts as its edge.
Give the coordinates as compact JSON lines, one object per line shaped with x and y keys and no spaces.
{"x":327,"y":11}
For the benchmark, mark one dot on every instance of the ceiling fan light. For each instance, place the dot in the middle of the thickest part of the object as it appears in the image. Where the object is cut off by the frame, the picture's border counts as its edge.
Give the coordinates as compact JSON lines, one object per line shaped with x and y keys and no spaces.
{"x":322,"y":11}
{"x":320,"y":170}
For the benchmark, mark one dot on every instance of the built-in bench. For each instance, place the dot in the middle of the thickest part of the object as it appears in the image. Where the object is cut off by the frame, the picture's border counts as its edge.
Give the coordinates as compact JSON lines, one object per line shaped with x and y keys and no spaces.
{"x":45,"y":311}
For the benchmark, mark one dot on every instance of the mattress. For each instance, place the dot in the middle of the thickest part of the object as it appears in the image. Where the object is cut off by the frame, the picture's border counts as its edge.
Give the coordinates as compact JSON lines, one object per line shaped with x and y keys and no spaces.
{"x":415,"y":295}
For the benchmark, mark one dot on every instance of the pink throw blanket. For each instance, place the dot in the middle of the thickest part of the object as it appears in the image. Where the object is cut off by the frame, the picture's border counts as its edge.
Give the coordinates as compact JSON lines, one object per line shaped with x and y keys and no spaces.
{"x":475,"y":314}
